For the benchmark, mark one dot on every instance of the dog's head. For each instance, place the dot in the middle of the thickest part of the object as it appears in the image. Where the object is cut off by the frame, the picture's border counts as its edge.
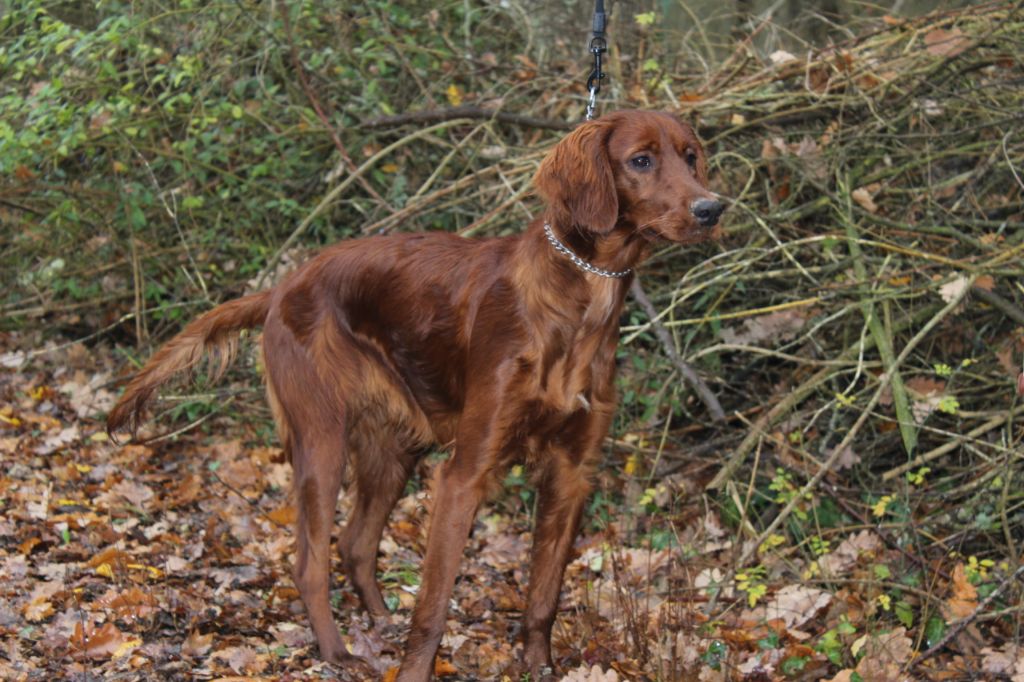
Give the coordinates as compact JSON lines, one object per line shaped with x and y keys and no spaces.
{"x":642,"y":170}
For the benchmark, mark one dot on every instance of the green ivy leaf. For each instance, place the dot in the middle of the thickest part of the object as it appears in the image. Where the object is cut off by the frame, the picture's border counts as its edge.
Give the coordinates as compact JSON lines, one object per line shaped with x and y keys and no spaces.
{"x":934,"y":630}
{"x":904,"y":614}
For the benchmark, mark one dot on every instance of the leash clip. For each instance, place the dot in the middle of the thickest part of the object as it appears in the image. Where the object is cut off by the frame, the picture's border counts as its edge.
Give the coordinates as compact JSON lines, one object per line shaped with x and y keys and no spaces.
{"x":598,"y":46}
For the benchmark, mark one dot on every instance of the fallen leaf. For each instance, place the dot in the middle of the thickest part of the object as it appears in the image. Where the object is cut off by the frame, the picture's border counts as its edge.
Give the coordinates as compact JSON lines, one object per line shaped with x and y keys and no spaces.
{"x":443,"y":667}
{"x":454,"y":94}
{"x":284,"y":515}
{"x":780,"y":57}
{"x":128,"y":604}
{"x":885,"y":655}
{"x":39,"y":607}
{"x":986,"y":282}
{"x":56,"y":441}
{"x":847,"y":459}
{"x":965,"y":595}
{"x":864,"y":200}
{"x":136,"y":494}
{"x":925,"y":387}
{"x":591,"y":674}
{"x":942,"y":43}
{"x":771,"y":328}
{"x":242,"y":659}
{"x":794,"y":605}
{"x":197,"y":645}
{"x":104,"y":642}
{"x":846,"y":555}
{"x":953,"y":290}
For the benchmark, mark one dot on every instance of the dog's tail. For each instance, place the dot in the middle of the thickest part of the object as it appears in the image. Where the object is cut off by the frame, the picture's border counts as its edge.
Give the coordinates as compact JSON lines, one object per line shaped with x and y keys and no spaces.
{"x":215,"y":331}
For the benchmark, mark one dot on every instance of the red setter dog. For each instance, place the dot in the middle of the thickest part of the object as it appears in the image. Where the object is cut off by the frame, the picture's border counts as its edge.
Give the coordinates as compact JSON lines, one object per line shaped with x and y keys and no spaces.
{"x":381,"y":348}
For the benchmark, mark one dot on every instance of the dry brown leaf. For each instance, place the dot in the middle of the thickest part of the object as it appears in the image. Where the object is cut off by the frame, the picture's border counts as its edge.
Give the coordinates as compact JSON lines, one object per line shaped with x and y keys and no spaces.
{"x":243,"y":660}
{"x":885,"y":655}
{"x":1002,"y":662}
{"x":794,"y":605}
{"x":847,"y":459}
{"x":864,"y":200}
{"x":55,"y":441}
{"x":136,"y":494}
{"x":780,"y":57}
{"x":845,"y":556}
{"x":130,"y":603}
{"x":942,"y":43}
{"x":965,"y":595}
{"x":103,"y":642}
{"x":986,"y":282}
{"x":952,"y":290}
{"x":284,"y":515}
{"x":782,"y":325}
{"x":39,"y":606}
{"x":592,"y":674}
{"x":197,"y":645}
{"x":111,"y":555}
{"x":443,"y":667}
{"x":926,"y":387}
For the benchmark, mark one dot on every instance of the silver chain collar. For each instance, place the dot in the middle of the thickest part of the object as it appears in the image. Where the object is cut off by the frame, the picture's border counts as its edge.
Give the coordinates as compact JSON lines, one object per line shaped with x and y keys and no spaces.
{"x":579,"y":262}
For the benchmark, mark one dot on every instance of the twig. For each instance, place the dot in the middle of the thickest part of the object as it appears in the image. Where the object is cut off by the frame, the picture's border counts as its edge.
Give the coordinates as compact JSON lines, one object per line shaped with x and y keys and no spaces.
{"x":884,"y":381}
{"x":688,"y":373}
{"x":465,"y":111}
{"x":336,"y":192}
{"x":300,"y":71}
{"x":959,"y":625}
{"x":791,"y":399}
{"x":997,"y":301}
{"x":951,"y":445}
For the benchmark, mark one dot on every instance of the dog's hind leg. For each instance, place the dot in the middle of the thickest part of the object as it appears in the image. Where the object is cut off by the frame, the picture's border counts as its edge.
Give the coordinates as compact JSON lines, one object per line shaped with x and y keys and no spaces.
{"x":311,"y":422}
{"x":380,"y":476}
{"x":318,"y":469}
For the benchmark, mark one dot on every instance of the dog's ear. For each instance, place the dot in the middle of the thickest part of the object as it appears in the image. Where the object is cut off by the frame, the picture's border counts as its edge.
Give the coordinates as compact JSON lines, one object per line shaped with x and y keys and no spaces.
{"x":575,"y":179}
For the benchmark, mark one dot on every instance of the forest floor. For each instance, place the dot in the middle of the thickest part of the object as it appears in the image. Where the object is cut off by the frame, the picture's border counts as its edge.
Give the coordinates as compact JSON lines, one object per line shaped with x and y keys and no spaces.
{"x":172,"y":561}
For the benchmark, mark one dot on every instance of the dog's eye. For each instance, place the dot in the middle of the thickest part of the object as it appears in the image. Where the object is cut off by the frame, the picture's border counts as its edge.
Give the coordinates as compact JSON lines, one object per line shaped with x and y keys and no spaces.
{"x":691,"y":158}
{"x":641,"y":162}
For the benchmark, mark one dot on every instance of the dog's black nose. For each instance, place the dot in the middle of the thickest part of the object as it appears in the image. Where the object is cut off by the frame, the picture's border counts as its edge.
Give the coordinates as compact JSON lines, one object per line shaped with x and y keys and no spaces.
{"x":706,"y":211}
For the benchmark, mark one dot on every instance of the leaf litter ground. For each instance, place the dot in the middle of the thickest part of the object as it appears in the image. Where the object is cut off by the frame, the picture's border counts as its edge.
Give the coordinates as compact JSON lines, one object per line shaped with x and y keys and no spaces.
{"x":172,"y":560}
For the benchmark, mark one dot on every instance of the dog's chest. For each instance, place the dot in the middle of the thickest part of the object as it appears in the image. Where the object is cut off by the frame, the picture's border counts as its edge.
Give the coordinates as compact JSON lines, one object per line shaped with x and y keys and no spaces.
{"x":578,"y":359}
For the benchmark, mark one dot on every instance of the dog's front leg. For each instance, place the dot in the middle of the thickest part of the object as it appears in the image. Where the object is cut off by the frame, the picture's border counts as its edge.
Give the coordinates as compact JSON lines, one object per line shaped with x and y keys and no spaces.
{"x":459,"y":489}
{"x":563,"y":488}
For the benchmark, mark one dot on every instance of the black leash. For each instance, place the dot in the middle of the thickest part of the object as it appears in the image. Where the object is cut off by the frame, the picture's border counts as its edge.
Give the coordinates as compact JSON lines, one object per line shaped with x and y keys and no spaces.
{"x":598,"y":46}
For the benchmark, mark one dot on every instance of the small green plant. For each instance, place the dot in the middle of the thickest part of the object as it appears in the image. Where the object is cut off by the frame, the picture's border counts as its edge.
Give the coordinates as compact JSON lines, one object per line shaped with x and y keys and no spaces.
{"x":715,"y":654}
{"x":831,"y":644}
{"x":751,"y":581}
{"x":918,"y":477}
{"x":786,"y":491}
{"x":819,"y":546}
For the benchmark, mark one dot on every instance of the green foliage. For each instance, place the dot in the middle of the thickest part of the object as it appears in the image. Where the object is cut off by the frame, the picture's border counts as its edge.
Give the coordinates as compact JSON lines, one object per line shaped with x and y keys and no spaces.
{"x":834,"y":643}
{"x":934,"y":630}
{"x":183,"y":139}
{"x":715,"y":654}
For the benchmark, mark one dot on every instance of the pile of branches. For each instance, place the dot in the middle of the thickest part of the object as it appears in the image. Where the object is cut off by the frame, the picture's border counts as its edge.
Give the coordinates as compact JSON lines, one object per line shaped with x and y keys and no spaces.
{"x":866,"y":312}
